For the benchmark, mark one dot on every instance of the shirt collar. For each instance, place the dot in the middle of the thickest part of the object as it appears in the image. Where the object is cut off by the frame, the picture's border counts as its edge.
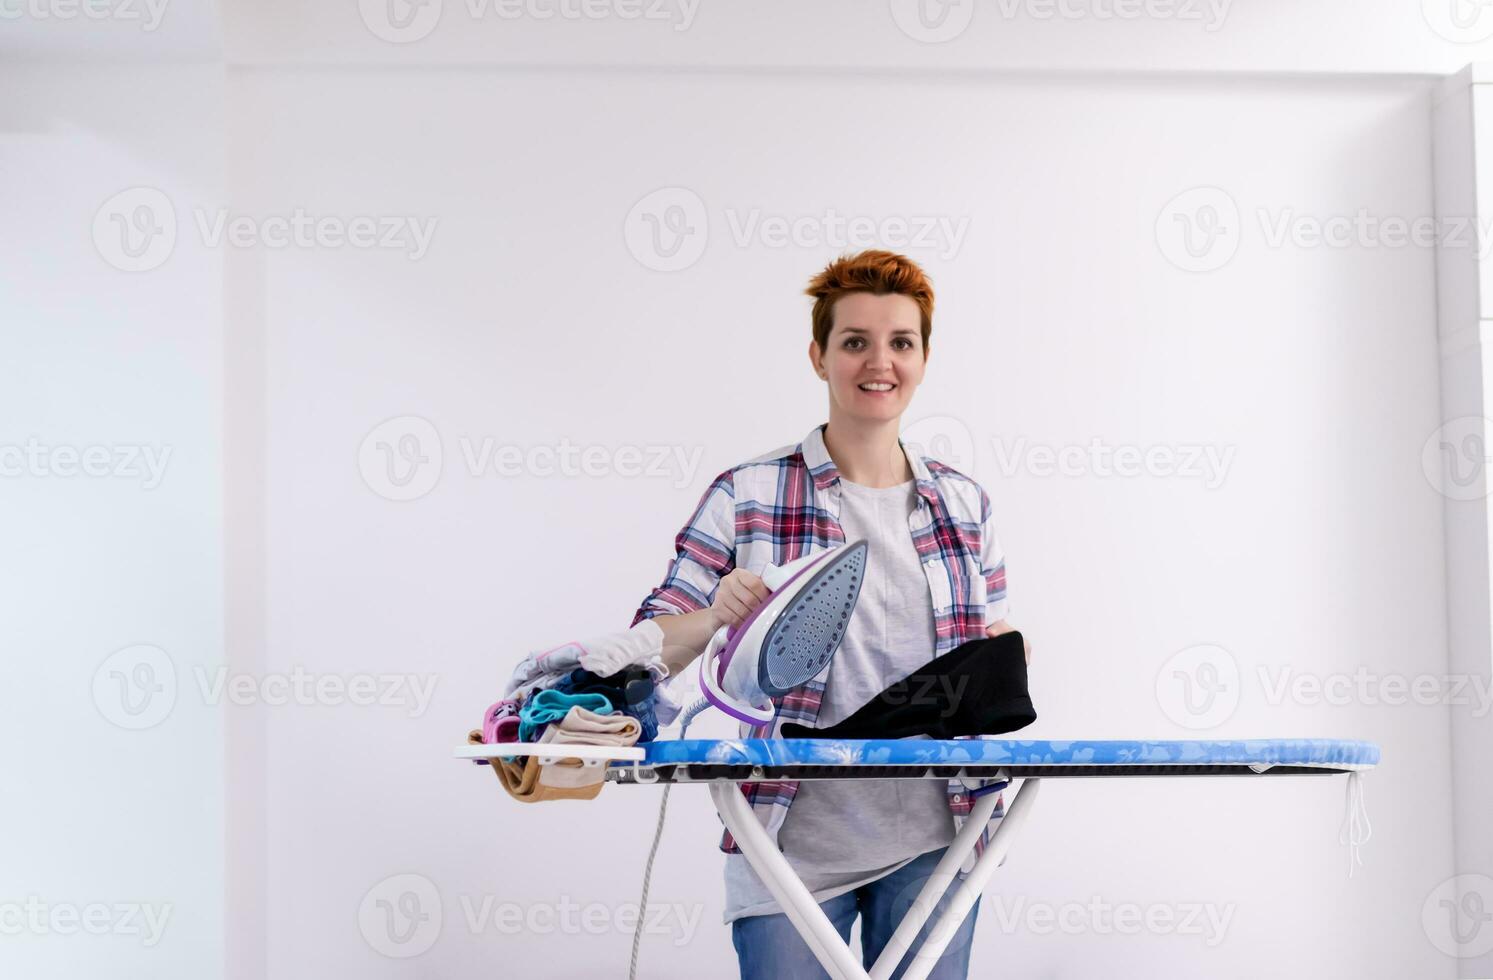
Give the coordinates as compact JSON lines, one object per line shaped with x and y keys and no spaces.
{"x":822,"y":468}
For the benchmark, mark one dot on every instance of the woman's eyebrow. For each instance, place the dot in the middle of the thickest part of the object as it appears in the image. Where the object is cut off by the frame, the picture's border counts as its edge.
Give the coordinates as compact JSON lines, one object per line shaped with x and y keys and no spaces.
{"x":895,"y":333}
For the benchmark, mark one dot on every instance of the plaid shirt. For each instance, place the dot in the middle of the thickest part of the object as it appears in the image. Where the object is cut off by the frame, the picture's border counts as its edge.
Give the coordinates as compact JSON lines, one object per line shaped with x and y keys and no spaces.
{"x":785,"y":504}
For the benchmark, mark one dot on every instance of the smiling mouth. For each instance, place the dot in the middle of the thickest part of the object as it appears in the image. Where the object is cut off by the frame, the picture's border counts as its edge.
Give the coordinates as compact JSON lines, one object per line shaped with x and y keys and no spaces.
{"x":886,"y":390}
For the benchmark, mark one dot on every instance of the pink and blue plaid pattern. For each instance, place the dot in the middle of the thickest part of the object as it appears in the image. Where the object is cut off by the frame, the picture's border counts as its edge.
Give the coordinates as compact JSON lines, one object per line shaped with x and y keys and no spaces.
{"x":786,"y":503}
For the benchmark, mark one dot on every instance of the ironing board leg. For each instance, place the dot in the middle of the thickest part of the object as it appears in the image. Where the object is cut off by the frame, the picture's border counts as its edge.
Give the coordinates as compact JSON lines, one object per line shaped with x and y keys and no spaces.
{"x":786,"y":887}
{"x":969,"y":890}
{"x":938,"y":882}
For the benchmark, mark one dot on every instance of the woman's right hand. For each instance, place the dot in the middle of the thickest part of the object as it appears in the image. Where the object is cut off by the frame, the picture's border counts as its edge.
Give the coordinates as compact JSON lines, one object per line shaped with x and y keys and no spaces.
{"x":738,"y":594}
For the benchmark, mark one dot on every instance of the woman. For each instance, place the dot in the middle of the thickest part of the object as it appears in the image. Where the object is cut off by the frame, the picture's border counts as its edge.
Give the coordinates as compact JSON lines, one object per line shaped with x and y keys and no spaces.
{"x":935,"y":579}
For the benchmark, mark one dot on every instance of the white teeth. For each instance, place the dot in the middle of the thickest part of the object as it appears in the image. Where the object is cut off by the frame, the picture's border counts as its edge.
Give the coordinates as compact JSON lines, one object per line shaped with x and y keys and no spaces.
{"x":876,"y":387}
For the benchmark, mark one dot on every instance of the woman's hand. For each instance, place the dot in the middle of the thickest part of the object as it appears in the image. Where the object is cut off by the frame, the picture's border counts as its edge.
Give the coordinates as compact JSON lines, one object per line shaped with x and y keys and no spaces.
{"x":737,"y":596}
{"x":1001,"y":626}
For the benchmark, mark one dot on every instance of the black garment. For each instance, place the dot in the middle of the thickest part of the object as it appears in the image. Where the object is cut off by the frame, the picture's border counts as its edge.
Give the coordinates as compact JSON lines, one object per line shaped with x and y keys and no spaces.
{"x":978,"y":688}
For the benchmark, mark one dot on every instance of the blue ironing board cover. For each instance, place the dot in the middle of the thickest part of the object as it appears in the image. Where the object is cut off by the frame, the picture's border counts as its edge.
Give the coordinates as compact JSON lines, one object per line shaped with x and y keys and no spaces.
{"x":1328,"y":753}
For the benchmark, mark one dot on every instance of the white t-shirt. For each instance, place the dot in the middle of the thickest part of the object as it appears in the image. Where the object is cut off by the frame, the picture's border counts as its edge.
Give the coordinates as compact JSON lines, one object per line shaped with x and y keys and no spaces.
{"x":842,"y":833}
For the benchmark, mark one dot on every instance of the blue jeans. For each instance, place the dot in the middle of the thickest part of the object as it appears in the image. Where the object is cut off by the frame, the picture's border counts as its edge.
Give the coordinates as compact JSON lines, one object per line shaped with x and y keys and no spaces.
{"x":768,"y":946}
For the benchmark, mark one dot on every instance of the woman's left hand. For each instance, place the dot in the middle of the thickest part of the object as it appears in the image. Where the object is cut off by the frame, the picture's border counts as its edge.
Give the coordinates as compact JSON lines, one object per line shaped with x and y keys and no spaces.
{"x":1001,"y":626}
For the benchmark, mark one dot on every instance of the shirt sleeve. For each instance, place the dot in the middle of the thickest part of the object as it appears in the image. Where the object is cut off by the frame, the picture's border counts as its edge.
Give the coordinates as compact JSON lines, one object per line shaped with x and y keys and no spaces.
{"x":705,"y":552}
{"x":992,"y":564}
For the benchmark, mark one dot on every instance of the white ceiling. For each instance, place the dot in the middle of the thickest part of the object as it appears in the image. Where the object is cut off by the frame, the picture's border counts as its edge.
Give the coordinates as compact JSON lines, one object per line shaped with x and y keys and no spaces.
{"x":1349,"y":36}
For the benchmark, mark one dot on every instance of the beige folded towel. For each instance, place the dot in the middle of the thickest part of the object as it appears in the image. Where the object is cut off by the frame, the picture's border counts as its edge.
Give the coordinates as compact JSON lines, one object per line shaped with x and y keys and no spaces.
{"x":581,"y":726}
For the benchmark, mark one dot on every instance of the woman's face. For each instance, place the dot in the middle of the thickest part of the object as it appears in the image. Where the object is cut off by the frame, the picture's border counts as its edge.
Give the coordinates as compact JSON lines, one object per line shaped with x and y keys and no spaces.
{"x":874,"y":339}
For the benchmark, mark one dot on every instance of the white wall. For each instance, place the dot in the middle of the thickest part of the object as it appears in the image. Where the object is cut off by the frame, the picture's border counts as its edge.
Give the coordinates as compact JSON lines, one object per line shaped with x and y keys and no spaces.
{"x":112,"y":800}
{"x":529,"y":321}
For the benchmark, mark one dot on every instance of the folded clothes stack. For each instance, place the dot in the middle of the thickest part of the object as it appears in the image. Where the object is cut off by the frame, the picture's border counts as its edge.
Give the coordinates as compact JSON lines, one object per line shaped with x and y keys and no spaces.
{"x":610,"y":680}
{"x":564,"y":779}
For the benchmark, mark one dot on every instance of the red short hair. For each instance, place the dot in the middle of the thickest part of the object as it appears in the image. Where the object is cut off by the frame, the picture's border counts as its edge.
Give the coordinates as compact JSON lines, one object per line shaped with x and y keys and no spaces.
{"x":874,"y":271}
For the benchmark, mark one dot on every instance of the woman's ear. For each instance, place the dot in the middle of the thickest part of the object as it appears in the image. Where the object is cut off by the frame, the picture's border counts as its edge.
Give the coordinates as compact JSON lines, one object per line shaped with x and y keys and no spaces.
{"x":816,"y":359}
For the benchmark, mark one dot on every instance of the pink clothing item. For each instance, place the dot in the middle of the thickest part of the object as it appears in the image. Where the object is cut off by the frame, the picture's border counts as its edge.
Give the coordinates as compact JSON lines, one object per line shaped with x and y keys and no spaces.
{"x":501,"y":723}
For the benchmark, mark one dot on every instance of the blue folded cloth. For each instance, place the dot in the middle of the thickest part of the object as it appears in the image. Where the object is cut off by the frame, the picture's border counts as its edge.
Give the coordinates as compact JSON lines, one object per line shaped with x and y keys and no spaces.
{"x":630,"y":691}
{"x":551,"y":705}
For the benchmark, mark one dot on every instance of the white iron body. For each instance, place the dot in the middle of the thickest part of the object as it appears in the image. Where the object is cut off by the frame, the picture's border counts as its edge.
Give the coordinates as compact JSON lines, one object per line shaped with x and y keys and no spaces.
{"x":744,"y":667}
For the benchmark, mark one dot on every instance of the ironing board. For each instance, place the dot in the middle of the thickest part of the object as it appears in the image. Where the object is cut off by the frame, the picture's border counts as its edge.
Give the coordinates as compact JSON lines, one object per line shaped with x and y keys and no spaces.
{"x":722,"y":763}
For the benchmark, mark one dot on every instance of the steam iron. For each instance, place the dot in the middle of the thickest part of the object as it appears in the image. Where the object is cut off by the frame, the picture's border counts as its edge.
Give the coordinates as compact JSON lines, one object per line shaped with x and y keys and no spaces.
{"x":789,"y":638}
